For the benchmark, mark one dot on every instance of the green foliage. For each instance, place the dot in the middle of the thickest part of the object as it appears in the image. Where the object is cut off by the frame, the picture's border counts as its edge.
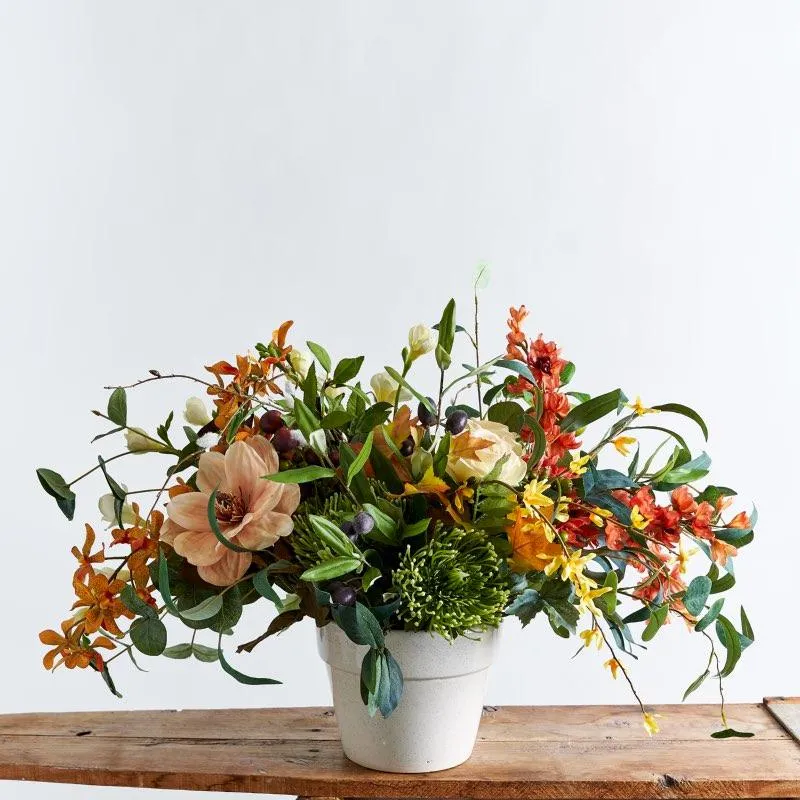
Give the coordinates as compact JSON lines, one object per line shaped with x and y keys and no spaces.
{"x":452,"y":585}
{"x":58,"y":489}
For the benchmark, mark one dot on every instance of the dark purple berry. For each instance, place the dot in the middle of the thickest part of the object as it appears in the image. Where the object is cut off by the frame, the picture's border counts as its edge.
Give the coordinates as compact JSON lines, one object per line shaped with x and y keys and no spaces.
{"x":286,"y":439}
{"x":333,"y":455}
{"x":407,"y":446}
{"x":346,"y":527}
{"x":456,"y":422}
{"x":343,"y":596}
{"x":362,"y":523}
{"x":271,"y":421}
{"x":425,"y":416}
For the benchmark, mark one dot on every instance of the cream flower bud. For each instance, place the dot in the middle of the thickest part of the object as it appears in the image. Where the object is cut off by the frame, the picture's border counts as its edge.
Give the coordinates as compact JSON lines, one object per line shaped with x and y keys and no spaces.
{"x":421,"y":340}
{"x":300,"y":361}
{"x":196,"y":412}
{"x":496,"y":442}
{"x":385,"y":388}
{"x":332,"y":392}
{"x":106,"y":506}
{"x":139,"y":441}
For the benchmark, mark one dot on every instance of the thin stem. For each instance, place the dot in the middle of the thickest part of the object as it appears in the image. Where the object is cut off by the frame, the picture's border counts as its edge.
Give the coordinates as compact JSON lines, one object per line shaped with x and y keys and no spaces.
{"x":622,"y":667}
{"x":90,"y":471}
{"x":477,"y":355}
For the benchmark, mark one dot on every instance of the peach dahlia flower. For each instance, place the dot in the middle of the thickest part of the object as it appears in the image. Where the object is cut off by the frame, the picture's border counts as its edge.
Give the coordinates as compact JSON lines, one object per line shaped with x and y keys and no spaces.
{"x":251,"y":512}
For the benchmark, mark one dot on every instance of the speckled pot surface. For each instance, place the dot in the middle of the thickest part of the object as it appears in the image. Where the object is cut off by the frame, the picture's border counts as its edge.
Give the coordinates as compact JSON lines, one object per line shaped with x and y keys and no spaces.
{"x":436,"y":723}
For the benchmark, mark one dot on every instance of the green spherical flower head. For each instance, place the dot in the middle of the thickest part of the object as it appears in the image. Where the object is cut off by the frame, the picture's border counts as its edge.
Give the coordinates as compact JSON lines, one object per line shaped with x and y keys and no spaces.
{"x":452,"y":585}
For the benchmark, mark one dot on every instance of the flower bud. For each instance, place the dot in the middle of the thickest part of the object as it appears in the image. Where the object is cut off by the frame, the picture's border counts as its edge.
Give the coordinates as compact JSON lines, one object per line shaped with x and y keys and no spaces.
{"x":300,"y":361}
{"x":421,"y":340}
{"x":385,"y":388}
{"x":196,"y":412}
{"x":139,"y":441}
{"x":106,"y":506}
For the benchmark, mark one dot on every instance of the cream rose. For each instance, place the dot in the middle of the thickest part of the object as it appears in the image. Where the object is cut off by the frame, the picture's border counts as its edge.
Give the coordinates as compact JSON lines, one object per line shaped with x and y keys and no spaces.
{"x":486,"y":443}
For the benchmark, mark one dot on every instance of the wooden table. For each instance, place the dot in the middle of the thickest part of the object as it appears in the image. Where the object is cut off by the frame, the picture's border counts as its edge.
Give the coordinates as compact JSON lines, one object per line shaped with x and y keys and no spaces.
{"x":543,"y":752}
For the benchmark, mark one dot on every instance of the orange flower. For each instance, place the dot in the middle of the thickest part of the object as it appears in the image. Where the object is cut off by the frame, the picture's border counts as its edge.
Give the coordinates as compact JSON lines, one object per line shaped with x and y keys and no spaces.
{"x":721,"y":551}
{"x":741,"y":521}
{"x":683,"y":502}
{"x":73,"y":647}
{"x":100,"y":598}
{"x":516,"y":341}
{"x":545,"y":363}
{"x":530,"y":547}
{"x":85,"y":556}
{"x":617,"y":537}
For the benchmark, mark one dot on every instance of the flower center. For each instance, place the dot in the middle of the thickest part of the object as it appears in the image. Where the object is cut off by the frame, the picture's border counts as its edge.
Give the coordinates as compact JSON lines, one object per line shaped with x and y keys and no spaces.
{"x":543,"y":364}
{"x":229,"y":508}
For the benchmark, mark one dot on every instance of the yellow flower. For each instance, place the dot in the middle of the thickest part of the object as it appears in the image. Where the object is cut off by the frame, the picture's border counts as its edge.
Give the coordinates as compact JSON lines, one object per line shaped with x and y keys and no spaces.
{"x":638,"y":520}
{"x":650,"y":724}
{"x":534,"y":496}
{"x":684,"y":555}
{"x":428,"y":484}
{"x":623,"y":444}
{"x":587,"y":595}
{"x":562,"y":510}
{"x":596,"y":515}
{"x":592,"y":636}
{"x":578,"y":465}
{"x":640,"y":409}
{"x":614,"y":666}
{"x":421,"y":340}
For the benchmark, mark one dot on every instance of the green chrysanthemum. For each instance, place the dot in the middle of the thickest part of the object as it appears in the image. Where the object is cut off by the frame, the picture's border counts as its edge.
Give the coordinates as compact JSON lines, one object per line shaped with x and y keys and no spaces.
{"x":309,"y":550}
{"x":452,"y":585}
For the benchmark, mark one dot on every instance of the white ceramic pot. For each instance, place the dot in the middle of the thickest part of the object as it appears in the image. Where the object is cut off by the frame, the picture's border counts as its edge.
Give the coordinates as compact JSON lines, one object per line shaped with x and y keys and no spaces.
{"x":436,"y":723}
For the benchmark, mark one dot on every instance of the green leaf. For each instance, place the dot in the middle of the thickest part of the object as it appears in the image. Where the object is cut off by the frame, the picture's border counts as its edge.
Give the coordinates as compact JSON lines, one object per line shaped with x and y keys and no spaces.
{"x":696,"y":684}
{"x":360,"y":460}
{"x":685,"y":473}
{"x":331,"y":535}
{"x":383,"y":522}
{"x":359,"y":623}
{"x":507,"y":413}
{"x":329,"y":570}
{"x":212,"y":521}
{"x":231,"y":611}
{"x":240,"y":676}
{"x":567,"y":373}
{"x":57,"y":488}
{"x":391,"y":689}
{"x":608,"y":602}
{"x":679,"y":439}
{"x":747,"y":628}
{"x":134,"y":603}
{"x":711,"y":615}
{"x":480,"y":278}
{"x":593,"y":409}
{"x":722,"y":584}
{"x":370,"y":680}
{"x":369,"y":577}
{"x":118,"y":407}
{"x":729,"y":639}
{"x":730,"y":733}
{"x":516,"y":366}
{"x":347,"y":369}
{"x":337,"y":418}
{"x":149,"y":636}
{"x":242,"y":413}
{"x":301,"y":475}
{"x":262,"y":585}
{"x":447,"y":335}
{"x":116,"y":490}
{"x":657,"y":618}
{"x":539,"y":440}
{"x":163,"y":584}
{"x":208,"y":608}
{"x":178,"y":651}
{"x":677,"y":408}
{"x":321,"y":354}
{"x":413,"y":529}
{"x":361,"y":487}
{"x":307,"y":420}
{"x":310,"y":386}
{"x":208,"y":655}
{"x":697,"y":594}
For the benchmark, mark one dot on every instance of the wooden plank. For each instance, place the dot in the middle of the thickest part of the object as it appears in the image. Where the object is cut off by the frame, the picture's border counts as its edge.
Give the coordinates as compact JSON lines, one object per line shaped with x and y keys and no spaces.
{"x":787,"y":711}
{"x":607,"y":755}
{"x":506,"y":723}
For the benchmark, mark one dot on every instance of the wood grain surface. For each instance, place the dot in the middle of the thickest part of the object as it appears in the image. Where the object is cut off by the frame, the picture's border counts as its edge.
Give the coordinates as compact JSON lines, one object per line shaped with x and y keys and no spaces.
{"x":522,"y":752}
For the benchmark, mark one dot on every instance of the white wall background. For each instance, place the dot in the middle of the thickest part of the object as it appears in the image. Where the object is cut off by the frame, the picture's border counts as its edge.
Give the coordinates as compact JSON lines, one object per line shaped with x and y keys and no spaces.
{"x":177,"y":178}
